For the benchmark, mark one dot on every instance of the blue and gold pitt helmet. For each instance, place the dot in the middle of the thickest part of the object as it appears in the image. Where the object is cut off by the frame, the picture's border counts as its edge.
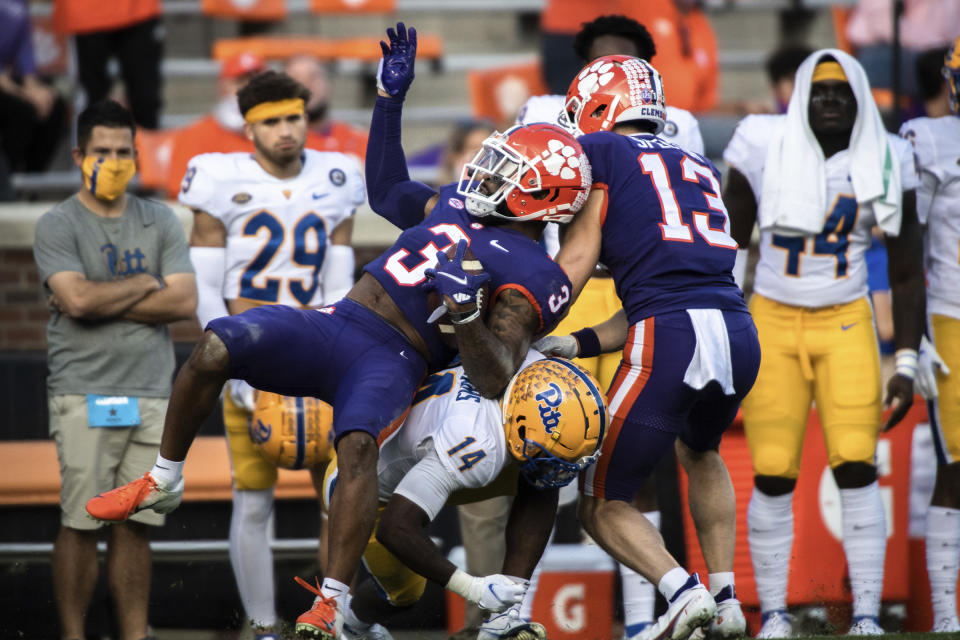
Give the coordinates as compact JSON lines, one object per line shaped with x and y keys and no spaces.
{"x":554,"y":417}
{"x":951,"y":73}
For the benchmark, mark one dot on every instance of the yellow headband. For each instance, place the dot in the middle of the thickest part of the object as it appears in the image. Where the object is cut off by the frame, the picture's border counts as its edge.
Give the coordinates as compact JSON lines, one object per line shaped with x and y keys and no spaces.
{"x":828,"y":70}
{"x":274,"y":109}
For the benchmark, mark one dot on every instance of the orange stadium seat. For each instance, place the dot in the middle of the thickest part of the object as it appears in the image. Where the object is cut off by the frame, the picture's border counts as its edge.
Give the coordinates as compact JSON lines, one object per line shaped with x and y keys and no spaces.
{"x":264,"y":10}
{"x":484,"y":88}
{"x":32,"y":473}
{"x":154,"y":149}
{"x":353,"y":6}
{"x":840,"y":17}
{"x":281,"y":48}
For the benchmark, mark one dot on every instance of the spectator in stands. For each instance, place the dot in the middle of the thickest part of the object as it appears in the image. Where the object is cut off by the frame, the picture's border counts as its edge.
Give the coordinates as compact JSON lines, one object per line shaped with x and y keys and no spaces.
{"x":324,"y":134}
{"x":117,"y":270}
{"x":32,"y":113}
{"x":931,"y":89}
{"x":221,"y":130}
{"x":925,"y":24}
{"x":128,"y":30}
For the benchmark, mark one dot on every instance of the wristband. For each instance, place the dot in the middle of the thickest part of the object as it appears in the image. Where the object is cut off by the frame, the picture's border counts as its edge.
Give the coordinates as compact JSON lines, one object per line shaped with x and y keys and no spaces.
{"x":464,"y":316}
{"x":588,"y":342}
{"x":460,"y":583}
{"x":906,"y":363}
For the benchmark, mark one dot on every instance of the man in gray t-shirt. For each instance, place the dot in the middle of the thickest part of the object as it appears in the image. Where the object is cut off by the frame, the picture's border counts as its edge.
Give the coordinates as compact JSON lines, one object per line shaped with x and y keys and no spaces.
{"x":117,"y":270}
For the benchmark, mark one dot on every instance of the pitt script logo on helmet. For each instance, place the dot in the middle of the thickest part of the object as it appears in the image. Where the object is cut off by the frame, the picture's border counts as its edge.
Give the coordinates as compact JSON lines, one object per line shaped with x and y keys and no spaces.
{"x":293,"y":433}
{"x":532,"y":172}
{"x":554,"y":417}
{"x":615,"y":89}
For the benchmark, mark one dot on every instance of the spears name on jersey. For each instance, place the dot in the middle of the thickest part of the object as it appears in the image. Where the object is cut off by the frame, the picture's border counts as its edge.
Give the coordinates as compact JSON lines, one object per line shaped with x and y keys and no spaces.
{"x":828,"y":268}
{"x":676,"y":232}
{"x":513,"y":261}
{"x":283,"y":224}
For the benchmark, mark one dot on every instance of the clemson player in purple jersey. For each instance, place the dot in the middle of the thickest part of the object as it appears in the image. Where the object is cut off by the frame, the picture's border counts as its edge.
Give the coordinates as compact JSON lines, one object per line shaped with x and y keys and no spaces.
{"x":690,"y":349}
{"x":367,"y":354}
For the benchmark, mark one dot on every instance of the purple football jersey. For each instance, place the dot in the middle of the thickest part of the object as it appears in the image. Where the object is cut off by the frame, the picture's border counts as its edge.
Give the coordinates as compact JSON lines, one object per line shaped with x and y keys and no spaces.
{"x":666,"y":233}
{"x":513,"y":261}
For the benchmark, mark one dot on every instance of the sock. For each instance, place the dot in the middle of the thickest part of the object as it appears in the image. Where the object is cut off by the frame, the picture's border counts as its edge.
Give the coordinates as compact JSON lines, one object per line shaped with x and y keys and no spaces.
{"x":675,"y":582}
{"x":865,"y":544}
{"x":350,"y":619}
{"x":526,"y":608}
{"x":943,"y":560}
{"x":639,"y":595}
{"x":770,"y":533}
{"x":166,"y":472}
{"x":250,"y":554}
{"x":334,"y":589}
{"x":719,"y":581}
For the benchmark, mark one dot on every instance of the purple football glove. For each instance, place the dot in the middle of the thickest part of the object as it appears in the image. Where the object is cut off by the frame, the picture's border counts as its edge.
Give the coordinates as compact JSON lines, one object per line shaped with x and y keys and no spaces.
{"x":396,"y":68}
{"x":450,"y":280}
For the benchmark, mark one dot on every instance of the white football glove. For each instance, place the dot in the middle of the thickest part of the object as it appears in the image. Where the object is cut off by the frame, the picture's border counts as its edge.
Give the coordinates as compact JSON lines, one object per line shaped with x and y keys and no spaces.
{"x":242,"y":394}
{"x":563,"y":346}
{"x":509,"y":624}
{"x":492,"y":593}
{"x":928,"y":360}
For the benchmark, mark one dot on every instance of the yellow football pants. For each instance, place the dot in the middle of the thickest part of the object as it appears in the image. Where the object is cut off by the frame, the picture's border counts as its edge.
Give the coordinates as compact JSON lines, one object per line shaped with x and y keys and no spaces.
{"x":828,"y":355}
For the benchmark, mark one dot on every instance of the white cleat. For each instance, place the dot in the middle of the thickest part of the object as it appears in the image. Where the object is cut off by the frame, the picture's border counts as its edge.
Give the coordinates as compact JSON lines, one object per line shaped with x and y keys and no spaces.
{"x":509,"y":624}
{"x":946,"y":625}
{"x":728,"y":622}
{"x":373,"y":632}
{"x":865,"y":626}
{"x":776,"y":624}
{"x":692,"y":609}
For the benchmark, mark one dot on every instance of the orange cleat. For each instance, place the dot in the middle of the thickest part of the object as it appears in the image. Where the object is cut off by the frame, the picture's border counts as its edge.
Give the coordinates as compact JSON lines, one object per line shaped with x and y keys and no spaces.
{"x":119,"y":504}
{"x":324,"y":620}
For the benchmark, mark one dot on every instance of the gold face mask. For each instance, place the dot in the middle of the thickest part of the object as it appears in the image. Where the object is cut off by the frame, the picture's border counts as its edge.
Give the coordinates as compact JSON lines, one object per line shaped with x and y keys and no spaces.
{"x":107,"y":178}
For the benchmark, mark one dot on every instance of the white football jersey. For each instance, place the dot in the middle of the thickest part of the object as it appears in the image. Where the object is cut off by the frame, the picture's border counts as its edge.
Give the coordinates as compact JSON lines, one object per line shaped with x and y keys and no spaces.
{"x":681,"y":128}
{"x":277,"y":230}
{"x":936,"y":144}
{"x":814,"y":270}
{"x":451,"y":417}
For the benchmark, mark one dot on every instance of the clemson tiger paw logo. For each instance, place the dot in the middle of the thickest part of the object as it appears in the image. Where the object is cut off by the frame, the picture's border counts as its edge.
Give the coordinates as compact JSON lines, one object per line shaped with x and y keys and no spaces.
{"x":560,"y":159}
{"x":593,"y":77}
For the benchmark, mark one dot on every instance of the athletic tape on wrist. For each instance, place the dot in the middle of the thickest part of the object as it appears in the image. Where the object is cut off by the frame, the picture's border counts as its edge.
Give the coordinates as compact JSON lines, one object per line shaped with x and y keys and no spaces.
{"x":906,"y":363}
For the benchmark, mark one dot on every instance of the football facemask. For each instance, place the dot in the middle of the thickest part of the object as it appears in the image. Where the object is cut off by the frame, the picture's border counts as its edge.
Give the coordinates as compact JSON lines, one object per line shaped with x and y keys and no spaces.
{"x":951,"y":74}
{"x":533,"y":172}
{"x":554,"y":418}
{"x":611,"y":90}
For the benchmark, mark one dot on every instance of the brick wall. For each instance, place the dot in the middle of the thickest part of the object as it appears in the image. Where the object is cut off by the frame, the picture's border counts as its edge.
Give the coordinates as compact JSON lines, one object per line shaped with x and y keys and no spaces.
{"x":24,"y":313}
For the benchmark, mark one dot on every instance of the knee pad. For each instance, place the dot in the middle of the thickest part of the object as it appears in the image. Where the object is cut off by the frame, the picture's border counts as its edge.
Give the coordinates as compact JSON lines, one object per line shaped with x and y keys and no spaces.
{"x":853,"y":446}
{"x":773,"y":460}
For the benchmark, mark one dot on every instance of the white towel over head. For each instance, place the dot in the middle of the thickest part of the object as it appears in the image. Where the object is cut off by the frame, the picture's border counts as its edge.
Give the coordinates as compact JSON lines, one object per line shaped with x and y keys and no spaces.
{"x":794,"y":193}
